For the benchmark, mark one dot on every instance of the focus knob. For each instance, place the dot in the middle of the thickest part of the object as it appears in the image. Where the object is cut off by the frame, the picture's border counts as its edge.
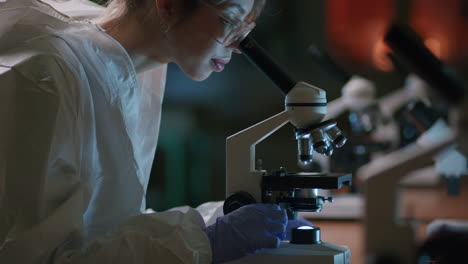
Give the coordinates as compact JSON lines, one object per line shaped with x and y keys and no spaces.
{"x":237,"y":200}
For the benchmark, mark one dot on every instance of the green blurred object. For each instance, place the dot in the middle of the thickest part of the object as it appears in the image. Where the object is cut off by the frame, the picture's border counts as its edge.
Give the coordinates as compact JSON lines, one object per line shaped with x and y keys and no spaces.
{"x":181,"y":174}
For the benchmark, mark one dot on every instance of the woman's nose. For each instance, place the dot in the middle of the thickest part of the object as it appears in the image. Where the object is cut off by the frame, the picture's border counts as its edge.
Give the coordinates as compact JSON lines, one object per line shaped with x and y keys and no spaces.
{"x":235,"y":47}
{"x":236,"y":50}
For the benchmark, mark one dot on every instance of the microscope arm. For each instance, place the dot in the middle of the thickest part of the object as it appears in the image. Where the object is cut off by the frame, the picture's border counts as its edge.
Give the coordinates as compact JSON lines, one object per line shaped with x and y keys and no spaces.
{"x":390,"y":103}
{"x":384,"y":235}
{"x":335,"y":108}
{"x":449,"y":163}
{"x":415,"y":89}
{"x":241,"y":174}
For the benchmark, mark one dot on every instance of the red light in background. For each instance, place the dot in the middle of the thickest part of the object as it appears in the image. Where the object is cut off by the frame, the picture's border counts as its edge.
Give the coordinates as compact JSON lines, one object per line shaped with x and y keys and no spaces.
{"x":443,"y":25}
{"x":435,"y":46}
{"x":380,"y":58}
{"x":355,"y":30}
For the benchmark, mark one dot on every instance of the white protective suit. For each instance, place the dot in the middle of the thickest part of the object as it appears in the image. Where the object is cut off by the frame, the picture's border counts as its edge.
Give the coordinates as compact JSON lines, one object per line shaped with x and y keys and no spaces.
{"x":77,"y":140}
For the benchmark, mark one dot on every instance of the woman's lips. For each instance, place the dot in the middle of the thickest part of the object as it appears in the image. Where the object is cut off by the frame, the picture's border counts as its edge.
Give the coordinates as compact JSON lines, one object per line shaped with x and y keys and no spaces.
{"x":218,"y":64}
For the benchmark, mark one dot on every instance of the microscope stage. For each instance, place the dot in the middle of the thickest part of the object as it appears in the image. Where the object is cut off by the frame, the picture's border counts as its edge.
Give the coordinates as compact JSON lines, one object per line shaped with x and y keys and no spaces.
{"x":306,"y":180}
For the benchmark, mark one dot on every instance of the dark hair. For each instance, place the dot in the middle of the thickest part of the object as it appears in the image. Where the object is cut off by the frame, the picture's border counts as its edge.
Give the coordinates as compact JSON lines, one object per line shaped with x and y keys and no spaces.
{"x":252,"y":16}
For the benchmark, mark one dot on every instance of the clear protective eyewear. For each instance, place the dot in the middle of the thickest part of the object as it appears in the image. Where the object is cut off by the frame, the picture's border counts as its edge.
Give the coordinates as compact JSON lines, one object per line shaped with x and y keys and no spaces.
{"x":235,"y":30}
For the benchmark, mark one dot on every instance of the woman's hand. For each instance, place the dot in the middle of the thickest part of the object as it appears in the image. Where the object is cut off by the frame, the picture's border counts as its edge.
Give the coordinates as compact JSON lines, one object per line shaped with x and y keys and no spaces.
{"x":246,"y":230}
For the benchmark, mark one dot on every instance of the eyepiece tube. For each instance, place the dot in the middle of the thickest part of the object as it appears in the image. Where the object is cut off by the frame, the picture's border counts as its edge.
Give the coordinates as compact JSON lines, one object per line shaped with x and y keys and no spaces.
{"x":409,"y":47}
{"x":328,"y":65}
{"x":258,"y":56}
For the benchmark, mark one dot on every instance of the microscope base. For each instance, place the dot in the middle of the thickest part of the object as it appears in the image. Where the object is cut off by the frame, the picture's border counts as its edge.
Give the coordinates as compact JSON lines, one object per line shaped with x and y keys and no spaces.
{"x":324,"y":253}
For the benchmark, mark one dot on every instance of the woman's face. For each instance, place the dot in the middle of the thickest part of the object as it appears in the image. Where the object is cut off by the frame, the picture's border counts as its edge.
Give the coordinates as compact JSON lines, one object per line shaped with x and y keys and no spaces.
{"x":196,"y":39}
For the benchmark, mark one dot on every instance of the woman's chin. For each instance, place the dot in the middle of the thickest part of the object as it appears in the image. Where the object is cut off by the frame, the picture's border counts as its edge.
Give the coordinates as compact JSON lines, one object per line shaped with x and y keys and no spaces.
{"x":201,"y":76}
{"x":197,"y":73}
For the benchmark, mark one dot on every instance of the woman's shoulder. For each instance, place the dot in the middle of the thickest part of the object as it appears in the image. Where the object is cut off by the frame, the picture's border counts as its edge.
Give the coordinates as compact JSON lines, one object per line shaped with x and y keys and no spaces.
{"x":37,"y":59}
{"x":29,"y":37}
{"x":38,"y":72}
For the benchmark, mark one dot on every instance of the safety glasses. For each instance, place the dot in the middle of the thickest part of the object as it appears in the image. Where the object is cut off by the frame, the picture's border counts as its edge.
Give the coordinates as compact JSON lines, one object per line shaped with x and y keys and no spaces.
{"x":234,"y":30}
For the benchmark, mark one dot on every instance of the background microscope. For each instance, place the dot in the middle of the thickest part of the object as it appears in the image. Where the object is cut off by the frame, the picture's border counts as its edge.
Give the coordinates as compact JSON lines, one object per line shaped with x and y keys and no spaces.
{"x":247,"y":183}
{"x":370,"y":131}
{"x":388,"y":238}
{"x":378,"y":125}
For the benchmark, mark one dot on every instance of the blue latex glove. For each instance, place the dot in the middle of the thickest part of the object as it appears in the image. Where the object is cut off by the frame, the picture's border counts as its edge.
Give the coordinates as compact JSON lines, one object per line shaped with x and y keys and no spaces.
{"x":246,"y":230}
{"x":295,"y":223}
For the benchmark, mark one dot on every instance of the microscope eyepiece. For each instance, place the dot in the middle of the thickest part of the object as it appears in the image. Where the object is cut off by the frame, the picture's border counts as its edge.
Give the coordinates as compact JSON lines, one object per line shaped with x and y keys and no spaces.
{"x":409,"y":47}
{"x":265,"y":63}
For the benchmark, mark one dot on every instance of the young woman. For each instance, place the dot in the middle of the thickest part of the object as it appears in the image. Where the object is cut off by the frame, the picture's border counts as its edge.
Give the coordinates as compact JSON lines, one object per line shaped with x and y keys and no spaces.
{"x":79,"y":133}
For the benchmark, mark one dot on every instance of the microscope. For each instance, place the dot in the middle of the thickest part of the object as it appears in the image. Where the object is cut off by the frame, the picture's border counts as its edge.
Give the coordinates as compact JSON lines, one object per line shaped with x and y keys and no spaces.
{"x":370,"y":130}
{"x":358,"y":95}
{"x":305,"y":107}
{"x":387,"y":238}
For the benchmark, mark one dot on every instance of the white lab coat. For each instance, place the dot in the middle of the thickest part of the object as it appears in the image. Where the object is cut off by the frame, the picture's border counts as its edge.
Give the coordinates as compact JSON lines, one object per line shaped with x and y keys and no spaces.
{"x":77,"y":140}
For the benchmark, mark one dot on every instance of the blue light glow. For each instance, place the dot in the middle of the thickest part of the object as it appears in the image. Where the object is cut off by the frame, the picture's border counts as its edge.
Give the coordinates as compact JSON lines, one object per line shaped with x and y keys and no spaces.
{"x":305,"y":228}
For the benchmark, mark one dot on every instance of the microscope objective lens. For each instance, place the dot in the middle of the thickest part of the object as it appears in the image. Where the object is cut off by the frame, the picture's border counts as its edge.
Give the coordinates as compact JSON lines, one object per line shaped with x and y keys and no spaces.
{"x":304,"y":151}
{"x":336,"y":136}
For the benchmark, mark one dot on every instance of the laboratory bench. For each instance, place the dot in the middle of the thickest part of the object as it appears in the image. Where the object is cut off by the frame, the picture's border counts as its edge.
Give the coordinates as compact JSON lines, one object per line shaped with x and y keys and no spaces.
{"x":423,"y":204}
